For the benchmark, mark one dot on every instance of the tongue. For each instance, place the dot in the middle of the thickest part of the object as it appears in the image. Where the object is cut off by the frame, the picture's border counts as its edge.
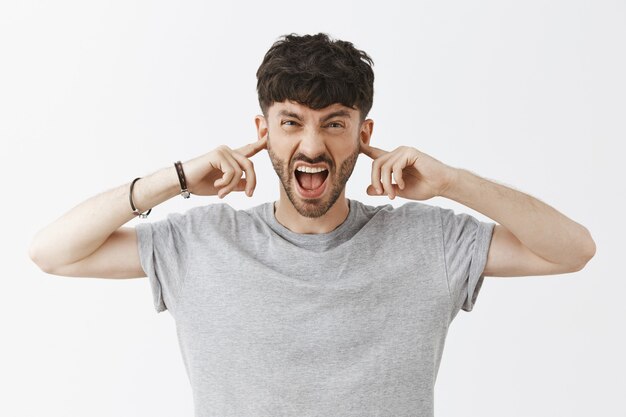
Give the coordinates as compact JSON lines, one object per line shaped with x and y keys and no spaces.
{"x":311,"y":181}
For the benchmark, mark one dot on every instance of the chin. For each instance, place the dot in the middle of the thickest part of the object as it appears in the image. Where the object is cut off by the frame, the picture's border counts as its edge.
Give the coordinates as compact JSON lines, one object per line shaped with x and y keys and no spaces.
{"x":313,"y":207}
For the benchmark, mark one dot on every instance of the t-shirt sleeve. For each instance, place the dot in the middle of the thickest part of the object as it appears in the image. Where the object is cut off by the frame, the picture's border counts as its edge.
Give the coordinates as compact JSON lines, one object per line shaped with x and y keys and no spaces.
{"x":163,"y":253}
{"x":466,"y":242}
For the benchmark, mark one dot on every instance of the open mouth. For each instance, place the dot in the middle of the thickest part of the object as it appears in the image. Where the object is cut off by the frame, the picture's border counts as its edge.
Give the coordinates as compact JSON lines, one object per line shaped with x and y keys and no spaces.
{"x":311,"y":184}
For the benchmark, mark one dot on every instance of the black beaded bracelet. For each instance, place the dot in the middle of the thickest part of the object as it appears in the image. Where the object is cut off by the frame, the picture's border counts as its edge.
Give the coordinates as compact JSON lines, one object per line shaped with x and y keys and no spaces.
{"x":132,"y":206}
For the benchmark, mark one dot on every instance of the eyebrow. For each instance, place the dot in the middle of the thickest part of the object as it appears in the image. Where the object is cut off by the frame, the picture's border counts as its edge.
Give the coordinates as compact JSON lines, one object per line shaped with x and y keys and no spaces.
{"x":338,"y":113}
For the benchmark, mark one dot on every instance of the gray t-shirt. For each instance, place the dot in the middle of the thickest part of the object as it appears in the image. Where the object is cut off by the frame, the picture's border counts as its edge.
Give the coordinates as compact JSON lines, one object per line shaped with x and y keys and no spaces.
{"x":346,"y":323}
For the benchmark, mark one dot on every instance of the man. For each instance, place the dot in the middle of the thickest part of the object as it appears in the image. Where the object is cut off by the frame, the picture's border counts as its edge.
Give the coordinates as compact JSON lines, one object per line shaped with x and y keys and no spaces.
{"x":315,"y":305}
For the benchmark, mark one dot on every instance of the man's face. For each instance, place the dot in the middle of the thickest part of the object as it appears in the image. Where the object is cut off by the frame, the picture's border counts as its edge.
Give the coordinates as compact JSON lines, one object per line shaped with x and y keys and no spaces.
{"x":329,"y":138}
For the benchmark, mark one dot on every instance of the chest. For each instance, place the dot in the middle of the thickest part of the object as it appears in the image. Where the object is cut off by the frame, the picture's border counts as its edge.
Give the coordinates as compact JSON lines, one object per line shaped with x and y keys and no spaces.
{"x":332,"y":310}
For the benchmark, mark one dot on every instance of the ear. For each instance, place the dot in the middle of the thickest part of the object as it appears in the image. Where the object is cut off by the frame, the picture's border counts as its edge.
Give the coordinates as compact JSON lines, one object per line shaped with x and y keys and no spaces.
{"x":261,"y":126}
{"x":365,"y":133}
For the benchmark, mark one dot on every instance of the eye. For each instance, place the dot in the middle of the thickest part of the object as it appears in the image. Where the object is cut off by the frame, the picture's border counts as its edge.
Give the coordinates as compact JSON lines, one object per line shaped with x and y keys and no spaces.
{"x":335,"y":123}
{"x":288,"y":121}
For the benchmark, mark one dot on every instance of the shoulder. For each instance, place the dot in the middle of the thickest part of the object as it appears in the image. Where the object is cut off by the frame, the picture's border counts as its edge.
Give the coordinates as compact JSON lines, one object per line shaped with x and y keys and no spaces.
{"x":411,"y":218}
{"x":410,"y":209}
{"x":201,"y":218}
{"x":212,"y":210}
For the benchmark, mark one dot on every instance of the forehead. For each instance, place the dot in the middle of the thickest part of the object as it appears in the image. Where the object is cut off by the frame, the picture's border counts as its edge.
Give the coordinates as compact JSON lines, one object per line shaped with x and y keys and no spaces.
{"x":278,"y":109}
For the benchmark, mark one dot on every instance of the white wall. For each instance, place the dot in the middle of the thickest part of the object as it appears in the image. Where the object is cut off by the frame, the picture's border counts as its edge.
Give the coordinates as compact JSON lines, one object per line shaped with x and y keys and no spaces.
{"x":94,"y":94}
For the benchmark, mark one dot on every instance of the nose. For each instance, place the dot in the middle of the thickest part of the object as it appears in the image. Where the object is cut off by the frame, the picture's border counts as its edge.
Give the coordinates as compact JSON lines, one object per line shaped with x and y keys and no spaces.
{"x":312,"y":144}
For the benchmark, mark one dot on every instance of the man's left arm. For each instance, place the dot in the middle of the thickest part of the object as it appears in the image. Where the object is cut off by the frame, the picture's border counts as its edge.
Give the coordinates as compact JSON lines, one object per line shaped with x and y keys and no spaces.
{"x":532,"y":238}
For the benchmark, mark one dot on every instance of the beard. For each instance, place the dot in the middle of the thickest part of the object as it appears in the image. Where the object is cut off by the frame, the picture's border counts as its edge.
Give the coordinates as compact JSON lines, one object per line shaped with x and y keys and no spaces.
{"x":336,"y":180}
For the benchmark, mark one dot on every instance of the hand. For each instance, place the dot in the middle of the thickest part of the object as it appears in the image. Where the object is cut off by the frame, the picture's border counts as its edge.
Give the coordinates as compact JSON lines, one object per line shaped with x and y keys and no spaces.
{"x":418,"y":176}
{"x":219,"y":171}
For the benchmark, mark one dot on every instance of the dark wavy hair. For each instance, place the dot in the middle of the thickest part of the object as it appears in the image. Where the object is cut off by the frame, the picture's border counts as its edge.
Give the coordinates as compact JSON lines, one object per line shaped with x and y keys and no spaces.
{"x":316,"y":71}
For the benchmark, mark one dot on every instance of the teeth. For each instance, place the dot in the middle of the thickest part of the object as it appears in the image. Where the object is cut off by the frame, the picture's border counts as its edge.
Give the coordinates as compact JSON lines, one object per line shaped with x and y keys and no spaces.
{"x":309,"y":169}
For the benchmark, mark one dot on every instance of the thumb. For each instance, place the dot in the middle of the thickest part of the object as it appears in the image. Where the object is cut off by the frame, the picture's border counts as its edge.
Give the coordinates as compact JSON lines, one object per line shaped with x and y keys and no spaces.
{"x":372,"y":191}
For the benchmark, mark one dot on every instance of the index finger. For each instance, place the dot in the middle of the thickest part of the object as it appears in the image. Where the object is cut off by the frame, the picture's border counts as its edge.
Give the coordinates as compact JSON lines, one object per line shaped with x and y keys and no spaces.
{"x":371,"y":151}
{"x":252,"y":148}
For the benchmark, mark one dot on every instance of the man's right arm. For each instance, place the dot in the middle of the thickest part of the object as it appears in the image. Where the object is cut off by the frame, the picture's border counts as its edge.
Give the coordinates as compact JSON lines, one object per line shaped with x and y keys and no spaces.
{"x":88,"y":241}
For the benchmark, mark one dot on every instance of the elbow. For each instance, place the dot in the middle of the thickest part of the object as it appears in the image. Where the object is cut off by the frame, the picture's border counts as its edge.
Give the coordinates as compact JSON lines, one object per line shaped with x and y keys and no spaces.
{"x":588,"y":251}
{"x":35,"y":255}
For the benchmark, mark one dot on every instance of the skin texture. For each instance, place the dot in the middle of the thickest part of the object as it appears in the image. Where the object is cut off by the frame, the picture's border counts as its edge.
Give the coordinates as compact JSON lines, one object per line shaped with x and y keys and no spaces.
{"x":337,"y":181}
{"x":335,"y":141}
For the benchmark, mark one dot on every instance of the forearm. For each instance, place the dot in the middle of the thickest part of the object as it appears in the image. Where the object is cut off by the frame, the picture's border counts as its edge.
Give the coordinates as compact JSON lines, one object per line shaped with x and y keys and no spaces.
{"x":542,"y":229}
{"x":83,"y":229}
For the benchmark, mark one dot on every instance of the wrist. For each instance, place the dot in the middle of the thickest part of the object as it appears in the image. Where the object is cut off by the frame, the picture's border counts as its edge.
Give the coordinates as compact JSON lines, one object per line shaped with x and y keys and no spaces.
{"x":164,"y":184}
{"x":451,"y":184}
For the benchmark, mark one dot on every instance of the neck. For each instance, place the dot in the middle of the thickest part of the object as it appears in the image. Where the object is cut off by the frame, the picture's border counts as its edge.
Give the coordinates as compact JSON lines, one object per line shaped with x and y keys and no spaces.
{"x":287,"y":215}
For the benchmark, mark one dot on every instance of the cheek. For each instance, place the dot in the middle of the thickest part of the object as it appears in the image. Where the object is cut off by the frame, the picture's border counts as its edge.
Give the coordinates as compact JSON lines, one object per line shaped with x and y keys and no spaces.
{"x":280,"y":148}
{"x":343,"y":150}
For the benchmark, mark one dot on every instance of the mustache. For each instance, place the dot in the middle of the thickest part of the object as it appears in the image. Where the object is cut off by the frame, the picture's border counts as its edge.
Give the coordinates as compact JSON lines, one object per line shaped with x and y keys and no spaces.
{"x":304,"y":158}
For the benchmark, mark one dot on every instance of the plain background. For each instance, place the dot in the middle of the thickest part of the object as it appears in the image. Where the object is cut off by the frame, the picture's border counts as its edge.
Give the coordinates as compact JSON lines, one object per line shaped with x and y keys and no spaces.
{"x":529,"y":94}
